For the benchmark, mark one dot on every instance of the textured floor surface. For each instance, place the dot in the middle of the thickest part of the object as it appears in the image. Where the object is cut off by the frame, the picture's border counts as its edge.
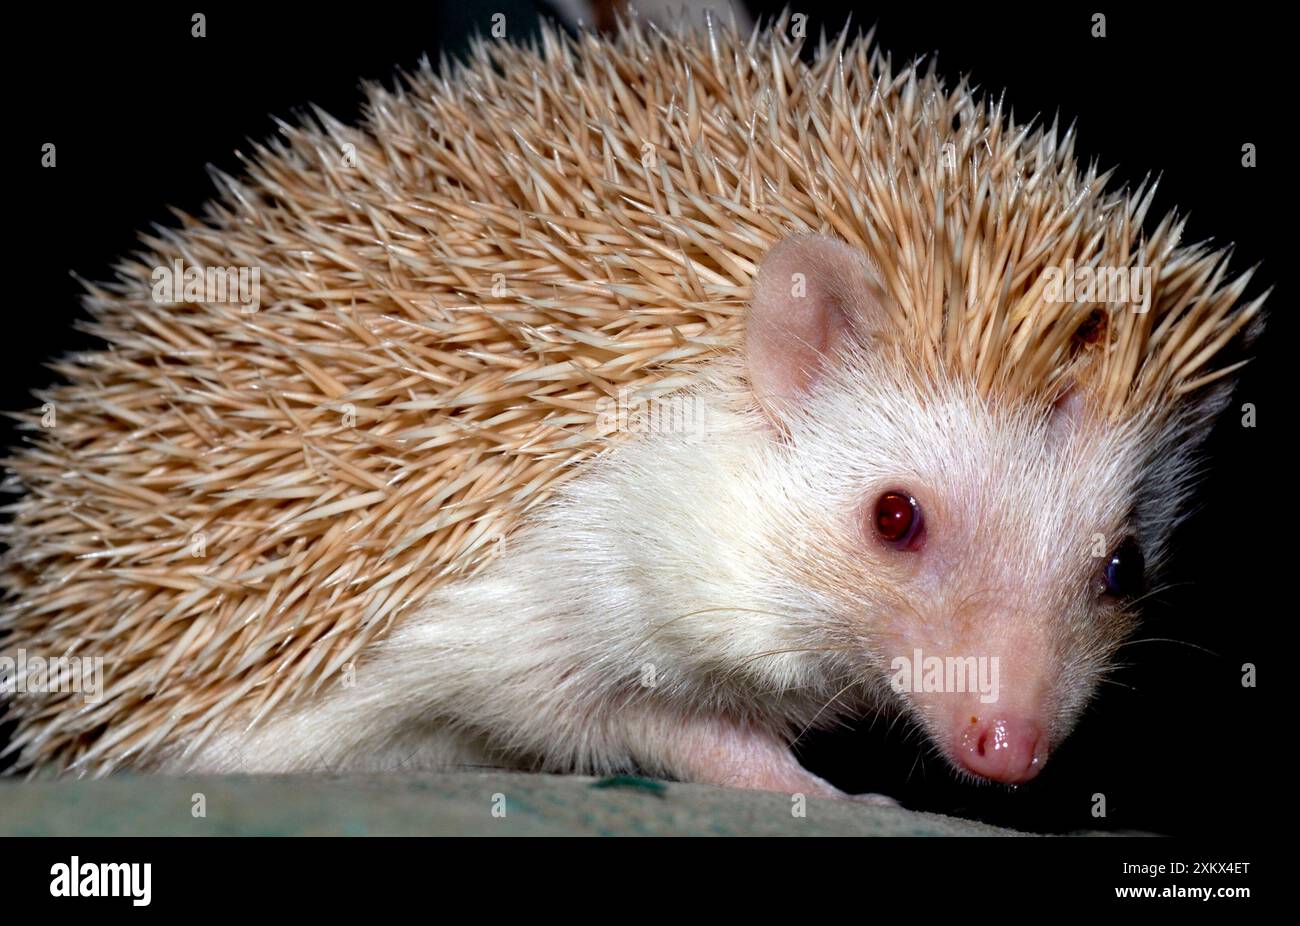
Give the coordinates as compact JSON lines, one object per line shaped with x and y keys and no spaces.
{"x":452,"y":804}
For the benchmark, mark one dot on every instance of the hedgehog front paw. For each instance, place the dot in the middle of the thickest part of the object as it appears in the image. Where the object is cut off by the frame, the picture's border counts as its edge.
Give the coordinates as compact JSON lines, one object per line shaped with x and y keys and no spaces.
{"x":875,"y":800}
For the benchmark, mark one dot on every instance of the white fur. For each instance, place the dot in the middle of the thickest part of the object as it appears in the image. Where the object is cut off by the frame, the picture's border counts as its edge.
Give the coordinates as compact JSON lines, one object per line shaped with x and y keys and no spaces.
{"x":733,"y":563}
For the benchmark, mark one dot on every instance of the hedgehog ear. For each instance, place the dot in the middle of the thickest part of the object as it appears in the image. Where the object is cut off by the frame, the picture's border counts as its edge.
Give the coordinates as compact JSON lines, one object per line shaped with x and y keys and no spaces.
{"x":811,"y":293}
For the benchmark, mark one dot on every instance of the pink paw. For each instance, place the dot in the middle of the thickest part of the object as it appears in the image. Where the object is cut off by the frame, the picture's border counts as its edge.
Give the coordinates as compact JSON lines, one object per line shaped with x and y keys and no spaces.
{"x":876,"y":800}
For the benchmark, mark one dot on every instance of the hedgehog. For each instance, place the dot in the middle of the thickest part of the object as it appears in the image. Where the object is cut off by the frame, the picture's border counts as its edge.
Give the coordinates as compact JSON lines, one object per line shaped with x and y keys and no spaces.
{"x":617,"y":404}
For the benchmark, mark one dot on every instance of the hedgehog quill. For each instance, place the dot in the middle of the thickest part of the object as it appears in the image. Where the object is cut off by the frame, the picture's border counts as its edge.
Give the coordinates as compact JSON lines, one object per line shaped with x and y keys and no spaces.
{"x":619,"y":405}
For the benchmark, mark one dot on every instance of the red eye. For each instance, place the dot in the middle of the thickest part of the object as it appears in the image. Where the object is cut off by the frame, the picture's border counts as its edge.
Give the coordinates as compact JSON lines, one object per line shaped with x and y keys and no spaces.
{"x":898,"y":520}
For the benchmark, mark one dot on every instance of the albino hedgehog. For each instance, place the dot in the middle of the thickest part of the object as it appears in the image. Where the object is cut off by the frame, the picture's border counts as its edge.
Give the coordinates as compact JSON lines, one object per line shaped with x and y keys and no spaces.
{"x":414,"y":511}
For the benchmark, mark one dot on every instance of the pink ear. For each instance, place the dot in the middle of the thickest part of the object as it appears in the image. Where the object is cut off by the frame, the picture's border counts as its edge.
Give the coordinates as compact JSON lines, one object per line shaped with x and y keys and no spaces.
{"x":1068,"y":411}
{"x":810,"y":293}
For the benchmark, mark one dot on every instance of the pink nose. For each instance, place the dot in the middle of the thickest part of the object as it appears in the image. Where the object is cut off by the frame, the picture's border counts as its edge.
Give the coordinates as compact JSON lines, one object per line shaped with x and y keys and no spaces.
{"x":1006,"y":749}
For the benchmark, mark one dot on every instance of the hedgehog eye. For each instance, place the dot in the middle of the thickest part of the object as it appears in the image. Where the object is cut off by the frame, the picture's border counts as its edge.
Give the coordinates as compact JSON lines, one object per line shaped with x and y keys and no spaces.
{"x":1124,"y":574}
{"x":898,"y":521}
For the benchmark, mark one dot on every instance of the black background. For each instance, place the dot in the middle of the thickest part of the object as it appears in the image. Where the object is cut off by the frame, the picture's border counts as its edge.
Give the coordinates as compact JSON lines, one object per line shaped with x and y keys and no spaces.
{"x":137,"y":108}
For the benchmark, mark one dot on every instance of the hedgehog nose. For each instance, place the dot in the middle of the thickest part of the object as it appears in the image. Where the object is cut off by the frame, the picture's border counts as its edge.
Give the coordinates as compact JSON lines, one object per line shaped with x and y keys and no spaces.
{"x":1004,"y":748}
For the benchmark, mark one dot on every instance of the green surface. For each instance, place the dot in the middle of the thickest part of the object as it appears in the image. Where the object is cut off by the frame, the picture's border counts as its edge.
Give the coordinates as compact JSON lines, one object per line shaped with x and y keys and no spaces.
{"x":454,"y":803}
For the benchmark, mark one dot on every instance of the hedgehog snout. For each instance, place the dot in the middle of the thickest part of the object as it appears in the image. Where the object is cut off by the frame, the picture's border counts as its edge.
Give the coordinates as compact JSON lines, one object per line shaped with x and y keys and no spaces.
{"x":1004,"y":747}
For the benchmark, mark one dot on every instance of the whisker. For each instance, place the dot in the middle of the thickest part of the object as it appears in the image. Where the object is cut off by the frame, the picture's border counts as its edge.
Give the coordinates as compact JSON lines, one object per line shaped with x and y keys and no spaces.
{"x":802,"y":649}
{"x":1118,"y":684}
{"x":1208,"y":652}
{"x":833,"y":699}
{"x":915,"y":762}
{"x":1150,"y":594}
{"x":714,"y":610}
